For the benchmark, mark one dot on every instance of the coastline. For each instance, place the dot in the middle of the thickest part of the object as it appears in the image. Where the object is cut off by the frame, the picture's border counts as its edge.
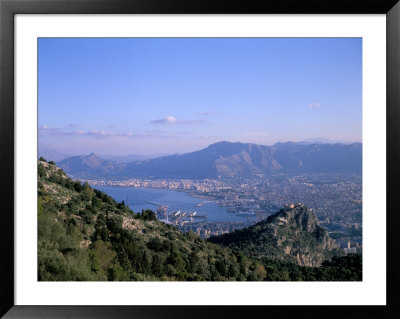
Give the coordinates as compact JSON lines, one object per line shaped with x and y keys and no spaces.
{"x":201,"y":196}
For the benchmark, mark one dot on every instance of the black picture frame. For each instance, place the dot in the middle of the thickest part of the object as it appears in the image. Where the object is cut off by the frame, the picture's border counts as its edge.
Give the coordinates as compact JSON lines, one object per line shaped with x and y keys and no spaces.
{"x":8,"y":8}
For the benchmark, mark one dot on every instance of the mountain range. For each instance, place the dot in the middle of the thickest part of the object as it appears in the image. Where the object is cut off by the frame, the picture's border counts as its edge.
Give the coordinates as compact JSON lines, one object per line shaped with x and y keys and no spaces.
{"x":225,"y":159}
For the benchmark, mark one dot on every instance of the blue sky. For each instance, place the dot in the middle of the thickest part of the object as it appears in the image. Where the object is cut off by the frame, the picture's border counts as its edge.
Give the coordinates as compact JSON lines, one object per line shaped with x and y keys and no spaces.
{"x":171,"y":95}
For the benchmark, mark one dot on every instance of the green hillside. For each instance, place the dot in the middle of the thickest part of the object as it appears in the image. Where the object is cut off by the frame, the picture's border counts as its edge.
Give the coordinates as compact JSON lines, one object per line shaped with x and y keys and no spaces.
{"x":83,"y":234}
{"x":293,"y":234}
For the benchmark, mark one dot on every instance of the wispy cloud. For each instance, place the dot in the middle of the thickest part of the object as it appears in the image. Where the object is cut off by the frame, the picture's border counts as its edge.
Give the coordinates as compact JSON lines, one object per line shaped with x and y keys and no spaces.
{"x":98,"y":133}
{"x":168,"y":120}
{"x":45,"y":129}
{"x":172,"y":120}
{"x":135,"y":135}
{"x":314,"y":105}
{"x":210,"y":113}
{"x":76,"y":132}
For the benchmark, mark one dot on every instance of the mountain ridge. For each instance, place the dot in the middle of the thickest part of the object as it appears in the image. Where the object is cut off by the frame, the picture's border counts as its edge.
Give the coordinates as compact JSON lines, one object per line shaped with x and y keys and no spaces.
{"x":225,"y":159}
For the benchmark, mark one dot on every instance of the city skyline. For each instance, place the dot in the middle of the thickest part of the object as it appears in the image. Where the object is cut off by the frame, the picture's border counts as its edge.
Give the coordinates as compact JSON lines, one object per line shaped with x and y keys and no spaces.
{"x":163,"y":96}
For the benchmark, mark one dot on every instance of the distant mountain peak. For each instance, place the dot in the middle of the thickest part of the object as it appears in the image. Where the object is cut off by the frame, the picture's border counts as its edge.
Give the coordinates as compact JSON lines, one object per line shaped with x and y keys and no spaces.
{"x":322,"y":140}
{"x":90,"y":166}
{"x":220,"y":143}
{"x":92,"y":155}
{"x":224,"y":143}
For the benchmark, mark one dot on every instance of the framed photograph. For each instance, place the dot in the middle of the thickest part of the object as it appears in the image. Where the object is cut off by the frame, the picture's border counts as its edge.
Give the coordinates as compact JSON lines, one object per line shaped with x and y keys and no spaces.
{"x":194,"y":159}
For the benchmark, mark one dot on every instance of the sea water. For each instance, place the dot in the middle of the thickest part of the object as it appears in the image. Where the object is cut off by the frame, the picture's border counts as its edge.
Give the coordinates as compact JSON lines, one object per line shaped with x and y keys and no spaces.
{"x":150,"y":198}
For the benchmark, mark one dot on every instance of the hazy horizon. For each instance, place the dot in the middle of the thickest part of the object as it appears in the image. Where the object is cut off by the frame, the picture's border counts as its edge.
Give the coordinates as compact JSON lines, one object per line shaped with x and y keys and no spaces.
{"x":165,"y":96}
{"x":46,"y":148}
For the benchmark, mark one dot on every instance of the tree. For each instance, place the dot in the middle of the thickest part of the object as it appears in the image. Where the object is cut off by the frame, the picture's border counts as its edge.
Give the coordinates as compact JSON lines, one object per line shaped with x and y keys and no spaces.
{"x":87,"y":193}
{"x":96,"y":202}
{"x":233,"y":271}
{"x":148,"y":215}
{"x":40,"y":207}
{"x":221,"y":267}
{"x":117,"y":273}
{"x":194,"y":262}
{"x":144,"y":262}
{"x":157,"y":267}
{"x":100,"y":229}
{"x":103,"y":255}
{"x":176,"y":260}
{"x":77,"y":186}
{"x":41,"y":171}
{"x":259,"y":272}
{"x":155,"y":244}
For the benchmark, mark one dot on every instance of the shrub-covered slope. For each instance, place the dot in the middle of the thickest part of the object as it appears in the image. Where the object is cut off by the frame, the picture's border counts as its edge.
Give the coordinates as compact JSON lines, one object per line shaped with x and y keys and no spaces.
{"x":292,"y":234}
{"x":83,"y":234}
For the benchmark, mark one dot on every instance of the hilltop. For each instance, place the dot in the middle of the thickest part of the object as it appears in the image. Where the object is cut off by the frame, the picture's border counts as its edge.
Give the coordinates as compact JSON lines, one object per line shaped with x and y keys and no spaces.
{"x":84,"y":234}
{"x":292,"y":234}
{"x":86,"y":166}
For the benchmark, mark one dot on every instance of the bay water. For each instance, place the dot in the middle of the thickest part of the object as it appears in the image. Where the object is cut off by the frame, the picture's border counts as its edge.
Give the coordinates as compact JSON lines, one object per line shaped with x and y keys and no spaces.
{"x":150,"y":198}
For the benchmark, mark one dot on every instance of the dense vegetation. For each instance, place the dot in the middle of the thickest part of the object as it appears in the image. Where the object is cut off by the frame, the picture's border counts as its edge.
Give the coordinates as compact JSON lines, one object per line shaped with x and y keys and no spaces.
{"x":293,"y":234}
{"x":84,"y":234}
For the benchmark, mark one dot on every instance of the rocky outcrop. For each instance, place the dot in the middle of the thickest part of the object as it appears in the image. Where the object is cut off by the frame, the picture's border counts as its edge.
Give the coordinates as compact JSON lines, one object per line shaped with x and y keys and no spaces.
{"x":292,"y":234}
